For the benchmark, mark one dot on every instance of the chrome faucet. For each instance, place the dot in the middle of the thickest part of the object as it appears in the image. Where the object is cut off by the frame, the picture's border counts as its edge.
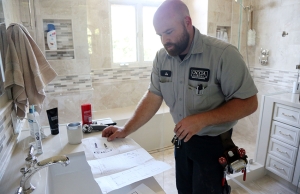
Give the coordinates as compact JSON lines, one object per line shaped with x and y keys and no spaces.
{"x":33,"y":166}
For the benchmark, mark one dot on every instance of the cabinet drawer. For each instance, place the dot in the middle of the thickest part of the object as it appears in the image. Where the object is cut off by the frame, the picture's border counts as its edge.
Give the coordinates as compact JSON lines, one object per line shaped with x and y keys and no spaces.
{"x":280,"y":167}
{"x":283,"y":151}
{"x":286,"y":114}
{"x":285,"y":133}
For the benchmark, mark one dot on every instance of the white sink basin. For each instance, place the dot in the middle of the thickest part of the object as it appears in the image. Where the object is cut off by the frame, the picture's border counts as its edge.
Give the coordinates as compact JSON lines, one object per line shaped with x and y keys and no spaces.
{"x":76,"y":178}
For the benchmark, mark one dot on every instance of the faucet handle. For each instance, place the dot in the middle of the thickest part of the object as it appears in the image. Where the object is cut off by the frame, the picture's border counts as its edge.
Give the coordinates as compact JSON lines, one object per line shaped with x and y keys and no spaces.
{"x":19,"y":190}
{"x":30,"y":155}
{"x":23,"y":170}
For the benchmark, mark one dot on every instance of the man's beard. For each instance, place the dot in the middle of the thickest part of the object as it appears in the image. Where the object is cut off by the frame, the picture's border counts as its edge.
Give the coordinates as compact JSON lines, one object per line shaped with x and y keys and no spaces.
{"x":180,"y":46}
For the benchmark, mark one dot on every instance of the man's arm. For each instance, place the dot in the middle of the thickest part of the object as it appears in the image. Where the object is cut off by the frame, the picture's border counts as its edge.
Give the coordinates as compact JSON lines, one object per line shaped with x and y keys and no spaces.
{"x":145,"y":110}
{"x":232,"y":110}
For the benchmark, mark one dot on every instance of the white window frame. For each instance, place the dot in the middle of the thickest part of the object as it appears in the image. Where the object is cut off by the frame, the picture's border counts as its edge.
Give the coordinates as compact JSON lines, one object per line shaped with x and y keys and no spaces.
{"x":138,"y":4}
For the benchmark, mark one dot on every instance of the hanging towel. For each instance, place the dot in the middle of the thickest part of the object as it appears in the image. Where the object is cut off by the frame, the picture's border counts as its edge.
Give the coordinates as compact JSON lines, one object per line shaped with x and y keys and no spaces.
{"x":27,"y":72}
{"x":3,"y":47}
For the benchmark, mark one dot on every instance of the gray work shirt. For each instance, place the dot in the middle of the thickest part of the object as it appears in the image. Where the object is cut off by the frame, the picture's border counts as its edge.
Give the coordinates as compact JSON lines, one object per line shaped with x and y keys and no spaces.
{"x":212,"y":73}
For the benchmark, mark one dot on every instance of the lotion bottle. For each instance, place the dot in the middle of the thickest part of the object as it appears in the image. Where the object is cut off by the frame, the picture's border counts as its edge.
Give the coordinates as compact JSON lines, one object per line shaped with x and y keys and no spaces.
{"x":51,"y":37}
{"x":36,"y":129}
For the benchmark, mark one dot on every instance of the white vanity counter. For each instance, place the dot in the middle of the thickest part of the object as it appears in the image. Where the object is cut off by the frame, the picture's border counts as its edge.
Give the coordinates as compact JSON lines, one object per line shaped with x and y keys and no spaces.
{"x":53,"y":145}
{"x":279,"y":136}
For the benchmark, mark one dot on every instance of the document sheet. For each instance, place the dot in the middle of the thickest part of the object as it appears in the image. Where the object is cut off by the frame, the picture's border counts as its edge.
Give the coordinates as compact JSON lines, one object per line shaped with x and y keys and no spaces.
{"x":120,"y":162}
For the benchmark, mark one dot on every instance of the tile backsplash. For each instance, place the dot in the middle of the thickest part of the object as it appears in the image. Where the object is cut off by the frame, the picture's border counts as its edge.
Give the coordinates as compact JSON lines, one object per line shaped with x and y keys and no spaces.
{"x":7,"y":137}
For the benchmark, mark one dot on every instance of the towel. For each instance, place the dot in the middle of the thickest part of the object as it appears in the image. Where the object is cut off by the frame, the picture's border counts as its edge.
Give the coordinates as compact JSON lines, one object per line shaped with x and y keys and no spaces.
{"x":3,"y":47}
{"x":27,"y":72}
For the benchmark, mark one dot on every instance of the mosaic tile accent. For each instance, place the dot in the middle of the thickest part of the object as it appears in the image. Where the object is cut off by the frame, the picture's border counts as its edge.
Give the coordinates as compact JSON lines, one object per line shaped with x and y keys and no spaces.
{"x":121,"y":74}
{"x":276,"y":77}
{"x":69,"y":83}
{"x":6,"y":137}
{"x":110,"y":75}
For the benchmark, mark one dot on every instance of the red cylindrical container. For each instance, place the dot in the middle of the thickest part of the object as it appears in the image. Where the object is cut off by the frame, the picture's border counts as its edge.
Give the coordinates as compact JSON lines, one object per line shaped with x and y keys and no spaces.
{"x":86,"y":113}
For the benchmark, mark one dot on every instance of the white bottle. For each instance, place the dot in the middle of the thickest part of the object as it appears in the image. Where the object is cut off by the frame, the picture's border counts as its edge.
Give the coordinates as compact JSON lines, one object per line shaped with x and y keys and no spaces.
{"x":51,"y":37}
{"x":37,"y":118}
{"x":225,"y":36}
{"x":30,"y":118}
{"x":36,"y":130}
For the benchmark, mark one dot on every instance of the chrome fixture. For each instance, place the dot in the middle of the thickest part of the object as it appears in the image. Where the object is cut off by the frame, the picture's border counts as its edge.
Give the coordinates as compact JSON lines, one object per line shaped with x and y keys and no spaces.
{"x":263,"y":59}
{"x":32,"y":166}
{"x":284,"y":33}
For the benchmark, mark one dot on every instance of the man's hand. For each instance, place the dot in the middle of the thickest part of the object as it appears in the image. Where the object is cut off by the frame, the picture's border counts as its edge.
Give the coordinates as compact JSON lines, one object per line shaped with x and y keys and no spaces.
{"x":113,"y":132}
{"x":187,"y":127}
{"x":232,"y":110}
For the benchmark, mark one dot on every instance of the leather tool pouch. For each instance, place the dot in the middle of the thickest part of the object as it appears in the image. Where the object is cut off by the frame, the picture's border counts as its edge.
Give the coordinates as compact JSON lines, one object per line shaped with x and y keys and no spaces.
{"x":236,"y":159}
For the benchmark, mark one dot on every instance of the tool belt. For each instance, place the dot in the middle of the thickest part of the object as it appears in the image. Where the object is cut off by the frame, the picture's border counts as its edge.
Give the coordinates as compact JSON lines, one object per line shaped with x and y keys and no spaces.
{"x":234,"y":159}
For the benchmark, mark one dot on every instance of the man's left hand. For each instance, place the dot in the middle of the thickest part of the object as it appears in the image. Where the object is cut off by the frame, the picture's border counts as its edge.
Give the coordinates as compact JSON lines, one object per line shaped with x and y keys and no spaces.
{"x":188,"y":127}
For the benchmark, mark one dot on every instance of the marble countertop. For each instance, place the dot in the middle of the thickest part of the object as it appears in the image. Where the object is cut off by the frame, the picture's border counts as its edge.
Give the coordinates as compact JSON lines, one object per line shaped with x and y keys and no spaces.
{"x":53,"y":145}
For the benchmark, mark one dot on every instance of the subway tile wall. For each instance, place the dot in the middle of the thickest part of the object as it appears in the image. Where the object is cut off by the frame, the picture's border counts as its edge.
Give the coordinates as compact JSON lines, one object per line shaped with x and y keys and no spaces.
{"x":7,"y":137}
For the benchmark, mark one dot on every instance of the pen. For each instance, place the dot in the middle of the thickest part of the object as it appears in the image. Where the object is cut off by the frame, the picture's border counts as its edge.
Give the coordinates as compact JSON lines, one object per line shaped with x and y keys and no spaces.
{"x":105,"y":145}
{"x":199,"y":88}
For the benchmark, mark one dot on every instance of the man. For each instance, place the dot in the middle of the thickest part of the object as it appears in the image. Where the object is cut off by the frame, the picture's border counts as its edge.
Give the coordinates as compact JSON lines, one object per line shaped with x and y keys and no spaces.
{"x":207,"y":87}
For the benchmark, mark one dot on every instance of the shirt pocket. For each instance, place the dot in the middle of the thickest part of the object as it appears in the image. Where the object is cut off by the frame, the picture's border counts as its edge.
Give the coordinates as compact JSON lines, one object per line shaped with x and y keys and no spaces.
{"x":167,"y":90}
{"x":197,"y":99}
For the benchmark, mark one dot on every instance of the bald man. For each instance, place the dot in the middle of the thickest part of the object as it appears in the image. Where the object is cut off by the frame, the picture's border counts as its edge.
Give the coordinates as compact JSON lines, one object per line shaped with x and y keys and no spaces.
{"x":207,"y":87}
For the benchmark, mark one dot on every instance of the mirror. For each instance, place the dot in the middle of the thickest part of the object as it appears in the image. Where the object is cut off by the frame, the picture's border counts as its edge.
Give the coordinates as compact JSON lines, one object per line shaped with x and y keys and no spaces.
{"x":2,"y":46}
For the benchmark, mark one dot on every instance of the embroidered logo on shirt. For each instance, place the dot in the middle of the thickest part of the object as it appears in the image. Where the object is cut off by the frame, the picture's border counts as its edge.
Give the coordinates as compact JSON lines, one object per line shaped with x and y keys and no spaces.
{"x":199,"y":74}
{"x":165,"y":73}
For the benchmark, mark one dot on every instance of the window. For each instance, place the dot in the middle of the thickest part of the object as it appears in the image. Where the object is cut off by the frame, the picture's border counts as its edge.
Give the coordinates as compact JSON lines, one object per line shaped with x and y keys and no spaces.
{"x":134,"y":40}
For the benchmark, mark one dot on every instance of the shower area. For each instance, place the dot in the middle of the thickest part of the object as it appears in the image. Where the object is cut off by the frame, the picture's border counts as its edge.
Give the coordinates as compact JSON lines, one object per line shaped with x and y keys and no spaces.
{"x":232,"y":21}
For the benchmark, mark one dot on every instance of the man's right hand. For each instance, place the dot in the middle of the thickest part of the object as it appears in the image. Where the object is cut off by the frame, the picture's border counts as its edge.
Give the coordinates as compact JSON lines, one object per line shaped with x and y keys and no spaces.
{"x":113,"y":132}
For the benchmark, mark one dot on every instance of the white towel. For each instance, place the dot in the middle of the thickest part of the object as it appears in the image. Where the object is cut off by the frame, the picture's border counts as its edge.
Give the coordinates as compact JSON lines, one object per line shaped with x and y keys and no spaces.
{"x":27,"y":71}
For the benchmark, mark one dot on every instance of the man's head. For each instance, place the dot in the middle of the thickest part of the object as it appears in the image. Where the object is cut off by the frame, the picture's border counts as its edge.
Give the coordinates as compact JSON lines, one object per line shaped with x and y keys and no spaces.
{"x":172,"y":22}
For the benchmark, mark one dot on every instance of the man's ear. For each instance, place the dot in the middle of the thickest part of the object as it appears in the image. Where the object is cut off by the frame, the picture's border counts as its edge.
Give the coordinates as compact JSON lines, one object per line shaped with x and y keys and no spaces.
{"x":188,"y":21}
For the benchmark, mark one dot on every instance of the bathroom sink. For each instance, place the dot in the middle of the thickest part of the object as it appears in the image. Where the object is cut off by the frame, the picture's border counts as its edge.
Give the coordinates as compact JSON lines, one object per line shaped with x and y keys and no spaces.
{"x":76,"y":178}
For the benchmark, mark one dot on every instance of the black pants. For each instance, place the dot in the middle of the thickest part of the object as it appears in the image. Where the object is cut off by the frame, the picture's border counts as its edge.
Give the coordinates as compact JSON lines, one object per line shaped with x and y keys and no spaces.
{"x":197,"y":168}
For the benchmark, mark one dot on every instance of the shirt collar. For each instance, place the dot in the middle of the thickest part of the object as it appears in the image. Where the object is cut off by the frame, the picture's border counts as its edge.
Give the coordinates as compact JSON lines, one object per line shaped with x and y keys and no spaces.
{"x":197,"y":44}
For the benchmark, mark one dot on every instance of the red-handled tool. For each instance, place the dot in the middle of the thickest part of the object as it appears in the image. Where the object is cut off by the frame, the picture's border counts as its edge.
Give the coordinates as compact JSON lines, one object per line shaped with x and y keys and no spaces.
{"x":223,"y":162}
{"x":244,"y":176}
{"x":242,"y":152}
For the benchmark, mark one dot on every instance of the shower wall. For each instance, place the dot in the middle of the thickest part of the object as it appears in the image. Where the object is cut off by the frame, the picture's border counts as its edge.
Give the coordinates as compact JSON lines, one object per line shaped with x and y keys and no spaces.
{"x":271,"y":18}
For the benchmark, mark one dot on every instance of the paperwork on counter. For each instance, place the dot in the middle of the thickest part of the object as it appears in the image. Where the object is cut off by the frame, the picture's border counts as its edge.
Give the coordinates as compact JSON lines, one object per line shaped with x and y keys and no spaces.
{"x":120,"y":162}
{"x":141,"y":189}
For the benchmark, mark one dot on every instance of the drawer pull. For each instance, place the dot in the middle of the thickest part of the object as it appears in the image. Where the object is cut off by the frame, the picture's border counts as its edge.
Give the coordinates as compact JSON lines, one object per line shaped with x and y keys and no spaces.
{"x":288,"y":115}
{"x":281,"y":151}
{"x":277,"y":167}
{"x":284,"y":134}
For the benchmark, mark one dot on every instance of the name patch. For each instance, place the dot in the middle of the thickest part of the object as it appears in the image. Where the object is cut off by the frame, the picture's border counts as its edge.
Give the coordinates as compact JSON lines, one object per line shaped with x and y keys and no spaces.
{"x":199,"y":74}
{"x":165,"y":73}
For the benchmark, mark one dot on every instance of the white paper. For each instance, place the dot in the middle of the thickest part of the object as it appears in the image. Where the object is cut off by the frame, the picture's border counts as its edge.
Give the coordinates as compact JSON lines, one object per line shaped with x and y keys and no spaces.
{"x":141,"y":189}
{"x":100,"y":148}
{"x":127,"y":177}
{"x":120,"y":162}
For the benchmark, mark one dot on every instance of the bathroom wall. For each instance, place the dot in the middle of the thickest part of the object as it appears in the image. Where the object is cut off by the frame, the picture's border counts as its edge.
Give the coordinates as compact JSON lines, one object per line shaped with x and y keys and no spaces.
{"x":7,"y":135}
{"x":271,"y":18}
